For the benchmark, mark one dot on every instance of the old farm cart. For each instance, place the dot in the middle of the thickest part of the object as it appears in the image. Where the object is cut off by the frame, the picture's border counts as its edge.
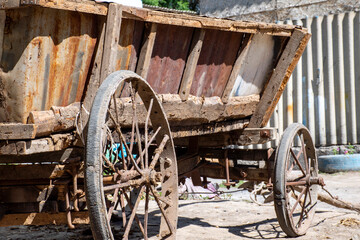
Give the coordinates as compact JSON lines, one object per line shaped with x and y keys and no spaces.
{"x":106,"y":81}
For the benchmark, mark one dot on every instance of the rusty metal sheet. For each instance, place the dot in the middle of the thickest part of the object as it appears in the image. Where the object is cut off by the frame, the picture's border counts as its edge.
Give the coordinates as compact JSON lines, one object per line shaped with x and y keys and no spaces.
{"x":169,"y":57}
{"x":215,"y":63}
{"x":129,"y":44}
{"x":45,"y":60}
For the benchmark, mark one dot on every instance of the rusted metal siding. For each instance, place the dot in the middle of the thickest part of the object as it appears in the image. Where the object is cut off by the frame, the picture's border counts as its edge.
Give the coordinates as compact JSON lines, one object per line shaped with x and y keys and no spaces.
{"x":215,"y":63}
{"x":45,"y":59}
{"x":169,"y":57}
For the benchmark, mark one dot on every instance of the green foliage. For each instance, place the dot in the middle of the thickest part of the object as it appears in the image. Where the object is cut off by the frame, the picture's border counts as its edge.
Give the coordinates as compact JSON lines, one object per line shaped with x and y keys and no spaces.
{"x":175,"y":4}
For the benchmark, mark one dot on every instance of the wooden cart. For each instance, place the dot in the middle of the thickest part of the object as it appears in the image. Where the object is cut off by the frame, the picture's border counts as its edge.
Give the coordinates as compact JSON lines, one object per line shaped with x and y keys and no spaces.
{"x":103,"y":106}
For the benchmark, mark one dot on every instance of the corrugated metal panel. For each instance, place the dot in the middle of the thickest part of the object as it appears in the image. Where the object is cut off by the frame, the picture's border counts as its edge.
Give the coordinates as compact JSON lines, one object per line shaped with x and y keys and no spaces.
{"x":45,"y":60}
{"x":321,"y":93}
{"x":215,"y":63}
{"x":169,"y":57}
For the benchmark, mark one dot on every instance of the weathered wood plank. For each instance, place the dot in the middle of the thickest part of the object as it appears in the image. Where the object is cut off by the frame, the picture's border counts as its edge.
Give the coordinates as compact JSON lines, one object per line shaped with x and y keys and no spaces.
{"x":78,"y":6}
{"x":205,"y":22}
{"x":191,"y":63}
{"x":32,"y":172}
{"x":168,"y":18}
{"x":94,"y":81}
{"x":236,"y":69}
{"x":279,"y":78}
{"x":38,"y":219}
{"x":194,"y":111}
{"x":63,"y":156}
{"x":146,"y":51}
{"x":237,"y":137}
{"x":111,"y":41}
{"x":211,"y":128}
{"x":56,"y":142}
{"x":17,"y":131}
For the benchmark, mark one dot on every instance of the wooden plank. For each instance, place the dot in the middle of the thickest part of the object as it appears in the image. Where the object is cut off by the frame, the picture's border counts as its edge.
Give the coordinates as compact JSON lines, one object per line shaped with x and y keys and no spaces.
{"x":236,"y":137}
{"x":146,"y":52}
{"x":211,"y":128}
{"x":191,"y":64}
{"x":6,"y":4}
{"x":94,"y":81}
{"x":168,"y":18}
{"x":279,"y":78}
{"x":236,"y":69}
{"x":32,"y":172}
{"x":111,"y":41}
{"x":206,"y":22}
{"x":56,"y":142}
{"x":17,"y":131}
{"x":38,"y":219}
{"x":63,"y":156}
{"x":78,"y":6}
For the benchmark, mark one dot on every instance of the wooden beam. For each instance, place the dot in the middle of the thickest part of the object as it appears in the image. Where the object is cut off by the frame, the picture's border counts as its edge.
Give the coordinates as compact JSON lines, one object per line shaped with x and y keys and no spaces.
{"x":38,"y":219}
{"x":236,"y":68}
{"x":63,"y":156}
{"x":93,"y":83}
{"x":146,"y":51}
{"x":17,"y":131}
{"x":187,"y":20}
{"x":168,"y":18}
{"x":210,"y":128}
{"x":279,"y":78}
{"x":240,"y":137}
{"x":111,"y":42}
{"x":191,"y":63}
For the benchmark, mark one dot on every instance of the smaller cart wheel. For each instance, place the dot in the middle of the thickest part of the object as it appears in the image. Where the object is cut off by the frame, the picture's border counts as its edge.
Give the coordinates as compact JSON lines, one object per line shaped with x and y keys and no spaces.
{"x":130,"y":168}
{"x":296,"y":180}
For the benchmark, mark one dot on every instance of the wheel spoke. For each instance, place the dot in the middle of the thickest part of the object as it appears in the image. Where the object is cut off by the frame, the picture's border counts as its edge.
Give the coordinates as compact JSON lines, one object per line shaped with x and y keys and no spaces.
{"x":303,"y":207}
{"x":146,"y":132}
{"x":158,"y":151}
{"x":108,"y":162}
{"x":133,"y":215}
{"x":307,"y":167}
{"x":122,"y":205}
{"x":162,"y":211}
{"x":297,"y":201}
{"x":297,"y":161}
{"x":113,"y":203}
{"x":146,"y":216}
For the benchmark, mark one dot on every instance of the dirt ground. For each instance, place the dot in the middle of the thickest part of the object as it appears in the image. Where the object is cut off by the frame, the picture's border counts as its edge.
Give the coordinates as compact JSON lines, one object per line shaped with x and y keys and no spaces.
{"x":235,"y":218}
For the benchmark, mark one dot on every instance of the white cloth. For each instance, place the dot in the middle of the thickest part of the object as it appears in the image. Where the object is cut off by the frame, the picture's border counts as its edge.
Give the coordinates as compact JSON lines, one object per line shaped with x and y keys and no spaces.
{"x":131,"y":3}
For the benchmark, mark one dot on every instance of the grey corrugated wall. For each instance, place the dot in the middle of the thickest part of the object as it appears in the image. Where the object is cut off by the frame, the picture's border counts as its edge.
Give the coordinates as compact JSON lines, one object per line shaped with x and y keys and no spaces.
{"x":324,"y":90}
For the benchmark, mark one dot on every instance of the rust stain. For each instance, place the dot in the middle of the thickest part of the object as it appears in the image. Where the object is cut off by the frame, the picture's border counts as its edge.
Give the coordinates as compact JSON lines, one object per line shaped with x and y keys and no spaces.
{"x":169,"y":57}
{"x":215,"y":63}
{"x":46,"y":64}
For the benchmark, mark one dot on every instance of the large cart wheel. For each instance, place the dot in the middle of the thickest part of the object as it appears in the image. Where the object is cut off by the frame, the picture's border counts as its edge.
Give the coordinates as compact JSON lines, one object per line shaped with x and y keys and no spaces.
{"x":128,"y":167}
{"x":296,"y":180}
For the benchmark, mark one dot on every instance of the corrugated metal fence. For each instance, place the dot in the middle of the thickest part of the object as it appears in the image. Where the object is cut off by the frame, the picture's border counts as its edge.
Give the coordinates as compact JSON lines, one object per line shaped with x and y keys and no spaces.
{"x":324,"y":90}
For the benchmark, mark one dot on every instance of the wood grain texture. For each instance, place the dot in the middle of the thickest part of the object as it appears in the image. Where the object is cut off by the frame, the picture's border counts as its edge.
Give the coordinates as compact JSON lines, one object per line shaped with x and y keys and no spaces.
{"x":276,"y":85}
{"x":111,"y":41}
{"x":191,"y":63}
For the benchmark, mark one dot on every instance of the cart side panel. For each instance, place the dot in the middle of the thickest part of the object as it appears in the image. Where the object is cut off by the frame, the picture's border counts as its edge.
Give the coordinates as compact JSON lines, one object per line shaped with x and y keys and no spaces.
{"x":215,"y":63}
{"x":45,"y":60}
{"x":258,"y":61}
{"x":169,"y":57}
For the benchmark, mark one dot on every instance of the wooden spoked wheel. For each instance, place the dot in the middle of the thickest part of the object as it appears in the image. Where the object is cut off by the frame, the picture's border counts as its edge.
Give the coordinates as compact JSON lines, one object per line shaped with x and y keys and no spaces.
{"x":130,"y":162}
{"x":296,"y":180}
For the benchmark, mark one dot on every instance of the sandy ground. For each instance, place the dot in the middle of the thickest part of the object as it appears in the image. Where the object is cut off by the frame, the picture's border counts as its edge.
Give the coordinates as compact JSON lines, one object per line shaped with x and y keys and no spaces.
{"x":237,"y":218}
